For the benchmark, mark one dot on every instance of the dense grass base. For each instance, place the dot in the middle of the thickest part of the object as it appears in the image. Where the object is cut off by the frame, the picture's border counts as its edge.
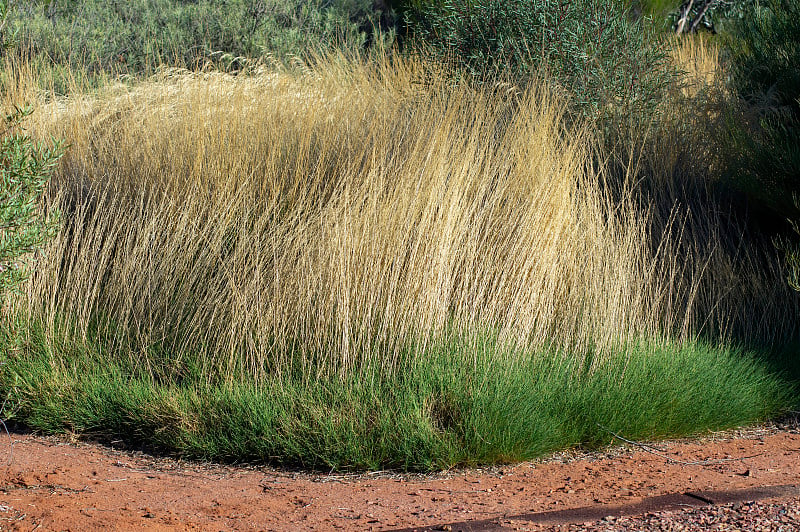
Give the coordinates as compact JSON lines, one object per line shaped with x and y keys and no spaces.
{"x":439,"y":415}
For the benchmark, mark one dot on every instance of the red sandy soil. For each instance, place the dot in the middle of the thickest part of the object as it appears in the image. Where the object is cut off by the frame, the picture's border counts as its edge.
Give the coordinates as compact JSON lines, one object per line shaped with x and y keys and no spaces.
{"x":55,"y":484}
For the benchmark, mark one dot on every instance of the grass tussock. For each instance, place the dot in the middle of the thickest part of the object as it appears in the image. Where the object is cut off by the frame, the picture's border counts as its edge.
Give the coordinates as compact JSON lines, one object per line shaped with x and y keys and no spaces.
{"x":248,"y":261}
{"x":443,"y":413}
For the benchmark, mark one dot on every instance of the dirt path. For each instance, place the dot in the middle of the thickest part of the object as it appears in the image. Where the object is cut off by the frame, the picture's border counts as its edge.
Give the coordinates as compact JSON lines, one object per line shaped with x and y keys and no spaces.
{"x":56,"y":485}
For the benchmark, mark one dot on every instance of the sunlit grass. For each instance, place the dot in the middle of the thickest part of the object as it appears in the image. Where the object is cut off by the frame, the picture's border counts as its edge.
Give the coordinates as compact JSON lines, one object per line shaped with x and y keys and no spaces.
{"x":440,"y":414}
{"x":330,"y":255}
{"x":699,"y":58}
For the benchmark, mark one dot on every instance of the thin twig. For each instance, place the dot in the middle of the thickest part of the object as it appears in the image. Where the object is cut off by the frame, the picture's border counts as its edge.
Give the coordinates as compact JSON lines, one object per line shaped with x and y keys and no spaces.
{"x":701,"y":15}
{"x":5,"y":427}
{"x":669,"y":459}
{"x":10,"y":439}
{"x":685,"y":10}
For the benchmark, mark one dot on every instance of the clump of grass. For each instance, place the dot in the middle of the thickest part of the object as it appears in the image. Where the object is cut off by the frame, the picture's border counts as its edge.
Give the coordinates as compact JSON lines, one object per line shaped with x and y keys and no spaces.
{"x":295,"y":266}
{"x":439,"y":416}
{"x":318,"y":224}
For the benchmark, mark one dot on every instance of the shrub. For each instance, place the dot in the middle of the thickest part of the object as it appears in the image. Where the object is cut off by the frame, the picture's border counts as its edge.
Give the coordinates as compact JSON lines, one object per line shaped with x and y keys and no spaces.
{"x":765,"y":145}
{"x":134,"y":36}
{"x":25,"y":168}
{"x":607,"y":62}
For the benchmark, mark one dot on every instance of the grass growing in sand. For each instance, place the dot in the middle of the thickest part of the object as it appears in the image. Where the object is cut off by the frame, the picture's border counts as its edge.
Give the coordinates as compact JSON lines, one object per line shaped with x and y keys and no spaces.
{"x":367,"y":264}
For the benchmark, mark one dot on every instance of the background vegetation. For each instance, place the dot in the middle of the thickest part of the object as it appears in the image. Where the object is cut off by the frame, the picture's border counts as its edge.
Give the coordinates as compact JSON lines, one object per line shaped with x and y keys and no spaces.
{"x":414,"y":255}
{"x":606,"y":62}
{"x":766,"y":133}
{"x":94,"y":38}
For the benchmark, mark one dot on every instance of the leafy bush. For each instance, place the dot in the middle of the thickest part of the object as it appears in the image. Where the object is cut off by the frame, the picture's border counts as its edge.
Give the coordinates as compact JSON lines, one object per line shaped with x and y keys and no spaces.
{"x":6,"y":41}
{"x":607,"y":62}
{"x":135,"y":35}
{"x":765,"y":145}
{"x":25,"y":168}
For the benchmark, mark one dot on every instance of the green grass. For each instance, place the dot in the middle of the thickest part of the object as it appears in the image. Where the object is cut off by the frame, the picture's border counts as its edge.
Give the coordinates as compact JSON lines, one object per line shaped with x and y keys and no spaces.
{"x":434,"y":415}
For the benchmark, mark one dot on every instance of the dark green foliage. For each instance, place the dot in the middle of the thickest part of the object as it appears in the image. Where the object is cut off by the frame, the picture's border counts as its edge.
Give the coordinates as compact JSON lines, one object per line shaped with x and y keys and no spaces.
{"x":765,"y":56}
{"x":607,"y":63}
{"x":658,"y":9}
{"x":764,"y":140}
{"x":25,"y":168}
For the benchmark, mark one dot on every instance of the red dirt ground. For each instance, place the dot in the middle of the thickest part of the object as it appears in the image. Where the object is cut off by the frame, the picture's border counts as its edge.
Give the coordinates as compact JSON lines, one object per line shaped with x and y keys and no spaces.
{"x":52,"y":484}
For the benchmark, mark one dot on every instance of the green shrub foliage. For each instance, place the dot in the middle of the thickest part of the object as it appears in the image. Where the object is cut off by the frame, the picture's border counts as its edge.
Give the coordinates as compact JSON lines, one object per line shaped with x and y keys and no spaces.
{"x":25,"y":168}
{"x":135,"y":35}
{"x":606,"y":61}
{"x":765,"y":54}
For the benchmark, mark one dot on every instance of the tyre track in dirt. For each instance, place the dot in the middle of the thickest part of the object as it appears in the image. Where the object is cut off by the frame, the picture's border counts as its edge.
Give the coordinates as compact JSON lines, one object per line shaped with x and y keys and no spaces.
{"x":587,"y":516}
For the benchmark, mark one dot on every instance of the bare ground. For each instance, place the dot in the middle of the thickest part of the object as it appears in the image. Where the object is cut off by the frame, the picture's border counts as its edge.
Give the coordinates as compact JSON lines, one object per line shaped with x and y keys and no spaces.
{"x":700,"y":484}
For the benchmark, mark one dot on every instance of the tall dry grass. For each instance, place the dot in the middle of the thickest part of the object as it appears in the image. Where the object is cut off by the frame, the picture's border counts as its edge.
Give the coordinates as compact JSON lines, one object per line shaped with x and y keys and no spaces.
{"x":339,"y":220}
{"x":699,"y":59}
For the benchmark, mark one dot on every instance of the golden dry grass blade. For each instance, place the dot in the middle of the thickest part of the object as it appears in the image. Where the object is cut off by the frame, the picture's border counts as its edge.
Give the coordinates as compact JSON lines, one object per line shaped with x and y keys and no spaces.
{"x":335,"y":220}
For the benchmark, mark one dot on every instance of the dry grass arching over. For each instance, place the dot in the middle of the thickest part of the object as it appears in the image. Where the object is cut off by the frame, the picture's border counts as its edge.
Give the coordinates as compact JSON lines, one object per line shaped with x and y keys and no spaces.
{"x":337,"y":221}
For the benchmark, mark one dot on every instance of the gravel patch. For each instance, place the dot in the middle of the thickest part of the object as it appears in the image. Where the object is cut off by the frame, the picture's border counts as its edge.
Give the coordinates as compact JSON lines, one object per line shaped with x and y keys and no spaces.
{"x":782,"y":516}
